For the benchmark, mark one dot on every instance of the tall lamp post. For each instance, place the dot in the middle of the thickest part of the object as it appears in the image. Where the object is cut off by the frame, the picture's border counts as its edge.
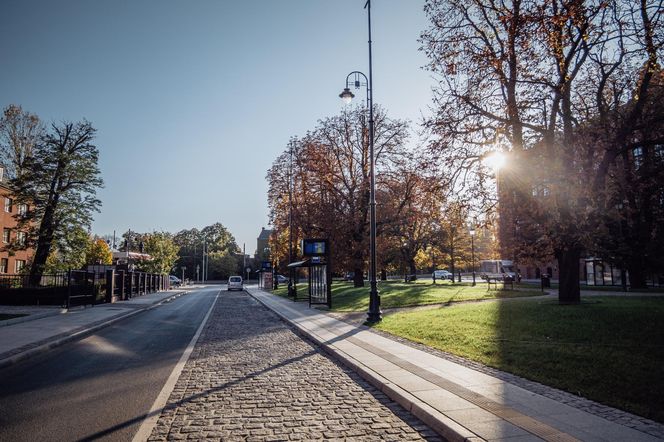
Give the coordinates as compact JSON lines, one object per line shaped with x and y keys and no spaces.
{"x":374,"y":314}
{"x":292,"y":289}
{"x":472,"y":250}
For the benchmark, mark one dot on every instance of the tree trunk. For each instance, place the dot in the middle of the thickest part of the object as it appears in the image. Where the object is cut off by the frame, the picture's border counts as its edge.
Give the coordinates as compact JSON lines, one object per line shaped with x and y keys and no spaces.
{"x":358,"y":278}
{"x":569,"y":291}
{"x":637,"y":275}
{"x":43,"y":249}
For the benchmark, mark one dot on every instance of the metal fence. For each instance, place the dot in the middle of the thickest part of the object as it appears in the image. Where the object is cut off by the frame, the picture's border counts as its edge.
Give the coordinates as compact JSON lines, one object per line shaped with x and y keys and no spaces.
{"x":78,"y":287}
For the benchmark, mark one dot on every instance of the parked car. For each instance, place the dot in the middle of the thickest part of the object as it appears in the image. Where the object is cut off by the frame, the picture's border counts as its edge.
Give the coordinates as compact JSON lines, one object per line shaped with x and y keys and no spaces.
{"x":174,"y":281}
{"x":235,"y":283}
{"x":442,"y":274}
{"x":281,"y":279}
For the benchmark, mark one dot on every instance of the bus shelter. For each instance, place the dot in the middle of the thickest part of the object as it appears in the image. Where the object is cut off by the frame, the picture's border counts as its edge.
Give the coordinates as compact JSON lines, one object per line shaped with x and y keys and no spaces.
{"x":317,"y":261}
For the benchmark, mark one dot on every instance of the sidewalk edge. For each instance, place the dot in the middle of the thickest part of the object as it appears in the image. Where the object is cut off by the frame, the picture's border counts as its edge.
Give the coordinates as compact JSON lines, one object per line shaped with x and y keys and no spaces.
{"x":436,"y":420}
{"x":29,"y":353}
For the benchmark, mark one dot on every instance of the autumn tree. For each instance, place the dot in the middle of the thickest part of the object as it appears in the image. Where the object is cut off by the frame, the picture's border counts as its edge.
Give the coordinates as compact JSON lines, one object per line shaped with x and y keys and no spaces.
{"x":330,"y":182}
{"x":98,"y":252}
{"x":59,"y":185}
{"x":525,"y":77}
{"x":411,"y":201}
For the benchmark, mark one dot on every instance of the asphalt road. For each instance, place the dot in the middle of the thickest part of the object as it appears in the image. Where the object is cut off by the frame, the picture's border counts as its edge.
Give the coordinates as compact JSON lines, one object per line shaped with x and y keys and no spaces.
{"x":100,"y":387}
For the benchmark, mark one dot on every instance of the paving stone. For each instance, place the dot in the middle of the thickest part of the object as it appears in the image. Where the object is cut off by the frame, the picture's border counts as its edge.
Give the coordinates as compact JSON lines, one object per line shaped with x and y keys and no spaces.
{"x":251,"y":377}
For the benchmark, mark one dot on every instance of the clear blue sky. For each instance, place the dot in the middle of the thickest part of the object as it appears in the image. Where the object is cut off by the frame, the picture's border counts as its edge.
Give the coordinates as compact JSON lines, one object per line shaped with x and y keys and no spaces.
{"x":193,"y":100}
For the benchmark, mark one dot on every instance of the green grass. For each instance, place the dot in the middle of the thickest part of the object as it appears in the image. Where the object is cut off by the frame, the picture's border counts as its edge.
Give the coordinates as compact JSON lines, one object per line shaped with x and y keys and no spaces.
{"x":6,"y":316}
{"x":394,"y":294}
{"x":607,"y":349}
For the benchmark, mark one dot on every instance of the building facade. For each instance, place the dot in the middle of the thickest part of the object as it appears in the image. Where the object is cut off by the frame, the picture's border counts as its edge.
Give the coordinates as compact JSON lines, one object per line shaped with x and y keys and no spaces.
{"x":12,"y":260}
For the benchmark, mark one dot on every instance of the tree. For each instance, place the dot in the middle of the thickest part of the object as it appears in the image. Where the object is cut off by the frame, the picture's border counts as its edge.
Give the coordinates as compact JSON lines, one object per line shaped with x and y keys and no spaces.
{"x":220,"y":246}
{"x":98,"y":253}
{"x":331,"y":183}
{"x":163,"y":250}
{"x":69,"y":251}
{"x":20,"y":131}
{"x":410,"y":202}
{"x":526,"y":77}
{"x":59,"y":185}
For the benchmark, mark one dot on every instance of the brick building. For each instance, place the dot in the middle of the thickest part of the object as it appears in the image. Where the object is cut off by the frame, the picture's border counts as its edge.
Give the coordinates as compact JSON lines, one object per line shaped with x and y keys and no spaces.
{"x":11,"y":262}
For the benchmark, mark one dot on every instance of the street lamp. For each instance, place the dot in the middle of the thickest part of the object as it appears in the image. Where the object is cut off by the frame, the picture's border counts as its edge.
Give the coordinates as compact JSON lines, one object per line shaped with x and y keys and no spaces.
{"x":374,"y":314}
{"x":292,"y":289}
{"x":472,"y":249}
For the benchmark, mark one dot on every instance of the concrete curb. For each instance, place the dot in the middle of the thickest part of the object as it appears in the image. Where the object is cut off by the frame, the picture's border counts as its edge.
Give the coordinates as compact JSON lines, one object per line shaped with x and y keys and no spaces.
{"x":31,"y":317}
{"x":436,"y":420}
{"x":29,"y":353}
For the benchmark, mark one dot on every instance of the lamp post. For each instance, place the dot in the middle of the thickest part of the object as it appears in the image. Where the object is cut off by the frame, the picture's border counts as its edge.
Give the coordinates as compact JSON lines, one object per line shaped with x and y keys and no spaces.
{"x":374,"y":314}
{"x":472,"y":250}
{"x":292,"y":289}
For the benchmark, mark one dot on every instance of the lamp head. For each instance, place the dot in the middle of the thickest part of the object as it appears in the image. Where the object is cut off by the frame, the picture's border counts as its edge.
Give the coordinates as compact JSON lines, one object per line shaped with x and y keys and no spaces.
{"x":346,"y":96}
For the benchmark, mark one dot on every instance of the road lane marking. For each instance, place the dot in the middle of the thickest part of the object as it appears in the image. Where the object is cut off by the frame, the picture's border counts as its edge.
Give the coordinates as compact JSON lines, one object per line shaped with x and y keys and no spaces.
{"x":152,"y":416}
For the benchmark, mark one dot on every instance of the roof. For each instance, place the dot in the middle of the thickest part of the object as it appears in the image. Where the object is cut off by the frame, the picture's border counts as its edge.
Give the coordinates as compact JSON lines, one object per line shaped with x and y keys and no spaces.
{"x":265,"y":234}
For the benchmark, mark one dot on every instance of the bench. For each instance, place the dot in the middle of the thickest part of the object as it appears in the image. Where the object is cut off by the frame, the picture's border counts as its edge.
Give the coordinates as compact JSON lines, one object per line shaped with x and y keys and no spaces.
{"x":504,"y":280}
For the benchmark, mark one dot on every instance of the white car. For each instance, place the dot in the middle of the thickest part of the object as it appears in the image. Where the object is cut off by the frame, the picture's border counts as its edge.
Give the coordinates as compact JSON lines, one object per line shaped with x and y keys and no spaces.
{"x":442,"y":274}
{"x":235,"y":283}
{"x":174,"y":281}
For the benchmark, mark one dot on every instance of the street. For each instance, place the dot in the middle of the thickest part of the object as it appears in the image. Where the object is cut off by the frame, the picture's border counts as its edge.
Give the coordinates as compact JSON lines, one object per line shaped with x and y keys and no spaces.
{"x":251,"y":377}
{"x":102,"y":386}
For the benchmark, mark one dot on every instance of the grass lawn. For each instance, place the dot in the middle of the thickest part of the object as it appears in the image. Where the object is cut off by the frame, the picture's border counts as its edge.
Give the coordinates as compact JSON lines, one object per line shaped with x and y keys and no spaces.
{"x":346,"y":298}
{"x":6,"y":316}
{"x":393,"y":294}
{"x":607,"y":349}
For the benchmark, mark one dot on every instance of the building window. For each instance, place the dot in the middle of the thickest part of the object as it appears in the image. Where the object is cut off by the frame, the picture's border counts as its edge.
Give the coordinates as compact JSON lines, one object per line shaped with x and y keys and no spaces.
{"x":20,"y":265}
{"x":22,"y":209}
{"x":659,"y":151}
{"x":8,"y":205}
{"x":20,"y":238}
{"x":6,"y":235}
{"x":4,"y":263}
{"x":637,"y":154}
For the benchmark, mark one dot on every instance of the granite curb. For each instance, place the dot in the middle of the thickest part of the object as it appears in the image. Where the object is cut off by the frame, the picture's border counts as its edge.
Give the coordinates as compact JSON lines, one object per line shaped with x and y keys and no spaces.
{"x":47,"y":344}
{"x":437,"y":421}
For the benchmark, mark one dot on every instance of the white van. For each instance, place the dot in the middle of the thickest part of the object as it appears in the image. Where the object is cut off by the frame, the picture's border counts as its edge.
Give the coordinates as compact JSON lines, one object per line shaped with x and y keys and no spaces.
{"x":235,"y":283}
{"x":497,"y":268}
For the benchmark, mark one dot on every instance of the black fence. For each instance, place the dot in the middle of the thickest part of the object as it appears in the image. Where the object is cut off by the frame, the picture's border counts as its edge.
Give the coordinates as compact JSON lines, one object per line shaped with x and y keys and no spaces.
{"x":78,"y":287}
{"x":123,"y":285}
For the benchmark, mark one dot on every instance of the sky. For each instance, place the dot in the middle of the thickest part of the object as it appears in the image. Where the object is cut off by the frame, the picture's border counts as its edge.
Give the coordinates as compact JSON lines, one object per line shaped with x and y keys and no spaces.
{"x":194,"y":100}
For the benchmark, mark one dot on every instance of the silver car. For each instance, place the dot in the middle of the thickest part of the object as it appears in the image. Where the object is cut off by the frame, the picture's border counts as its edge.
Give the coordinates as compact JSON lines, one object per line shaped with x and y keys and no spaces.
{"x":235,"y":283}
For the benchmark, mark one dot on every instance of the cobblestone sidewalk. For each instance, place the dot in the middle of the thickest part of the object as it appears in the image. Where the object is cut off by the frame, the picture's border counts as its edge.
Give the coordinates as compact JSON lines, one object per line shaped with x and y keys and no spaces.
{"x":251,"y":377}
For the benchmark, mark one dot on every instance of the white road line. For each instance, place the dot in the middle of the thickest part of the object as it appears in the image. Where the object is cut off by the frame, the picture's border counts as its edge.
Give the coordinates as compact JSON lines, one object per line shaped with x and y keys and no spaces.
{"x":155,"y":411}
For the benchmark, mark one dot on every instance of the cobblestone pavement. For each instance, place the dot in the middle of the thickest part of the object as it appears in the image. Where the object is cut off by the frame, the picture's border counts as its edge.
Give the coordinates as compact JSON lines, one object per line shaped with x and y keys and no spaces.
{"x":609,"y":413}
{"x":251,"y":377}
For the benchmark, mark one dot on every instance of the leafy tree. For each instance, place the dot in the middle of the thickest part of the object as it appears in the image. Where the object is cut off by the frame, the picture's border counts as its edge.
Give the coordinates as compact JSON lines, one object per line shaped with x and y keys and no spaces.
{"x":59,"y":184}
{"x":69,"y":251}
{"x":163,"y":250}
{"x":98,"y":253}
{"x":20,"y":131}
{"x":220,"y":246}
